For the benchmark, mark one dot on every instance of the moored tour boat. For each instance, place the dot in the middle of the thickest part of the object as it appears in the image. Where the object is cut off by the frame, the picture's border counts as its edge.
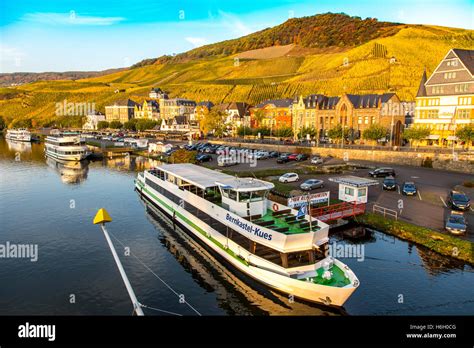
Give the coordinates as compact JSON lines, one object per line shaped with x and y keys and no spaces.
{"x":20,"y":134}
{"x":261,"y":238}
{"x":66,"y":146}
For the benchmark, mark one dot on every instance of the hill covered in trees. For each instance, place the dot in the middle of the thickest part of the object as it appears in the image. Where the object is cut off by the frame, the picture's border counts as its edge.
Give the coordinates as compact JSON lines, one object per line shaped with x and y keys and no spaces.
{"x":319,"y":31}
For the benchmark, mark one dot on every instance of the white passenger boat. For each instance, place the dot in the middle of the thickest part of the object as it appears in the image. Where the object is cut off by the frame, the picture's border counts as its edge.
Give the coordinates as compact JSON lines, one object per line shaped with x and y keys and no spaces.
{"x":262,"y":239}
{"x":68,"y":147}
{"x":20,"y":134}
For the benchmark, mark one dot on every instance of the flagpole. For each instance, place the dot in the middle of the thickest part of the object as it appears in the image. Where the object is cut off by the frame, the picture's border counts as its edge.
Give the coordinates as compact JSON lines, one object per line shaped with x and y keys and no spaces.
{"x":309,"y":213}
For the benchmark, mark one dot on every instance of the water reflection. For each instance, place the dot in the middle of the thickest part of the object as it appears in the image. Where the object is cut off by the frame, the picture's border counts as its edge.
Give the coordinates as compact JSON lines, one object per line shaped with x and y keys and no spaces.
{"x":130,"y":163}
{"x":21,"y":150}
{"x":435,"y":263}
{"x":71,"y":172}
{"x":18,"y":146}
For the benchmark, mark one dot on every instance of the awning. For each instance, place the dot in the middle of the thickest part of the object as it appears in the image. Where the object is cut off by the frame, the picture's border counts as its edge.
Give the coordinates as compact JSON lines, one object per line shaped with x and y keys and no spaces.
{"x":432,"y":137}
{"x":452,"y":137}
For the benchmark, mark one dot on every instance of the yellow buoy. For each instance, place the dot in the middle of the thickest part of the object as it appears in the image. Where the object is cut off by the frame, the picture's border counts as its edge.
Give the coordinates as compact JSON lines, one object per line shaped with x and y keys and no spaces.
{"x":102,"y":216}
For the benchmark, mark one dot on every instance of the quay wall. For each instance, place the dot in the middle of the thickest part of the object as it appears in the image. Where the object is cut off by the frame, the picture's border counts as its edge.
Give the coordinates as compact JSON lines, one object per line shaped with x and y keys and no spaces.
{"x":463,"y":162}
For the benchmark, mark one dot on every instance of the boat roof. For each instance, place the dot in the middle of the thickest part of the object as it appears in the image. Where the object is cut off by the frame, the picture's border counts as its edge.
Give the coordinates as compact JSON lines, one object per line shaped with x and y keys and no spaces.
{"x":203,"y":178}
{"x":245,"y":184}
{"x":355,"y":181}
{"x":198,"y":176}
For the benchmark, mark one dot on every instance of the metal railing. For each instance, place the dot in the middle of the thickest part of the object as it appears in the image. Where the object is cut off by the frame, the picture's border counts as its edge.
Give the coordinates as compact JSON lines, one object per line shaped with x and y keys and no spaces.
{"x":385,"y":211}
{"x":338,"y":211}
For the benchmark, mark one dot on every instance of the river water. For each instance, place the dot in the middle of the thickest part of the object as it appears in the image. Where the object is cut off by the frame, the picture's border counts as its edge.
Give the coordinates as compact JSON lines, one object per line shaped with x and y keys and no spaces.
{"x":52,"y":205}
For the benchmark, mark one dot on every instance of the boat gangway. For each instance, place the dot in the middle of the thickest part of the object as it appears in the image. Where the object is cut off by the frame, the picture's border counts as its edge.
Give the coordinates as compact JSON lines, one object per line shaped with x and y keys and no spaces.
{"x":338,"y":211}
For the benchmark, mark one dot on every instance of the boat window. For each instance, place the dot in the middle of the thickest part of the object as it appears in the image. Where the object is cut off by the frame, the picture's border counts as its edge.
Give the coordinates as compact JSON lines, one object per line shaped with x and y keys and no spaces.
{"x":362,"y":192}
{"x":233,"y":195}
{"x":259,"y":195}
{"x":244,"y":196}
{"x":225,"y":192}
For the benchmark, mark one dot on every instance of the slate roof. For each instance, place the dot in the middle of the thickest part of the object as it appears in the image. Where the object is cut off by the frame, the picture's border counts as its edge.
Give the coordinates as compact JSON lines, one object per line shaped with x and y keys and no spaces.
{"x":241,"y":107}
{"x":369,"y":100}
{"x":466,"y":57}
{"x":321,"y":101}
{"x":124,"y":102}
{"x":422,"y":88}
{"x":180,"y":120}
{"x":279,"y":103}
{"x":207,"y":104}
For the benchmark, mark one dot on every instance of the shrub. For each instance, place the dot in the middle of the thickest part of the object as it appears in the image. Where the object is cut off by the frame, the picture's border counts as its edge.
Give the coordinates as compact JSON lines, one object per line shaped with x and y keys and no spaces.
{"x":183,"y":156}
{"x":102,"y":125}
{"x":115,"y":125}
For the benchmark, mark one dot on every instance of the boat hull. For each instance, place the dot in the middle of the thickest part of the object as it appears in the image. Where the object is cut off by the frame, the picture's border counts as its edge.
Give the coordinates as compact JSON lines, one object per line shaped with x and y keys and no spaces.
{"x":308,"y":291}
{"x":15,"y":137}
{"x":58,"y":156}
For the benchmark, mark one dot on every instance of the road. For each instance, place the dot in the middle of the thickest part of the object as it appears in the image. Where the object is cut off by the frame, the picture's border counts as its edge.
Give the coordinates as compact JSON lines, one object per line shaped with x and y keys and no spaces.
{"x":428,"y":208}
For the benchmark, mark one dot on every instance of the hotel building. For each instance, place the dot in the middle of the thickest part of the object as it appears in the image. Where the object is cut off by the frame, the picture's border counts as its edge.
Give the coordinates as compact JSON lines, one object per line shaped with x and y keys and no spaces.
{"x":445,"y":100}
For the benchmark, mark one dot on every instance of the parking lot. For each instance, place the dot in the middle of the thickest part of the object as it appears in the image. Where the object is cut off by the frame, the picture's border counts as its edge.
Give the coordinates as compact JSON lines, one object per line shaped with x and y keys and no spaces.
{"x":428,"y":208}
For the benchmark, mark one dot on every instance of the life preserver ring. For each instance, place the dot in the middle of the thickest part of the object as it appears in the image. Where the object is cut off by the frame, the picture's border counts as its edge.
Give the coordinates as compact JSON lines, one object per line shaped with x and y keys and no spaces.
{"x":275,"y":207}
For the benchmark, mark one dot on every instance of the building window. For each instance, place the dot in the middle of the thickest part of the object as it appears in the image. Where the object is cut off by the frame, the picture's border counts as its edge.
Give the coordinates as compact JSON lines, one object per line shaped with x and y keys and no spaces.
{"x":432,"y":114}
{"x":372,"y":120}
{"x":449,"y":75}
{"x":461,"y":88}
{"x":366,"y":119}
{"x":463,"y":114}
{"x":359,"y":120}
{"x":437,"y":90}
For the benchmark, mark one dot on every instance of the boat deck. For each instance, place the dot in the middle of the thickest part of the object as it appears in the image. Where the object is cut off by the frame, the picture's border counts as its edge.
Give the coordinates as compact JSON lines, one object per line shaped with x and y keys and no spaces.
{"x":285,"y":222}
{"x":338,"y":279}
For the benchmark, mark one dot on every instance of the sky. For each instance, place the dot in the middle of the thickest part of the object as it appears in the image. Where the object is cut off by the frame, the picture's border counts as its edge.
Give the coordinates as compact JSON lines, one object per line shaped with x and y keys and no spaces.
{"x":86,"y":35}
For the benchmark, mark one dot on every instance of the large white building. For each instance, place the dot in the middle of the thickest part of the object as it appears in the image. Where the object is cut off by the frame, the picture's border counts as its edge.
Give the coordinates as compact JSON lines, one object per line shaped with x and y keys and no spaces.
{"x":445,"y":100}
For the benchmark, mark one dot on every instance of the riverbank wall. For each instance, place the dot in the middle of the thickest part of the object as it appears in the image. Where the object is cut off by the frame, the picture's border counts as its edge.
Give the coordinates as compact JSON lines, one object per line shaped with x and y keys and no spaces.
{"x":459,"y":162}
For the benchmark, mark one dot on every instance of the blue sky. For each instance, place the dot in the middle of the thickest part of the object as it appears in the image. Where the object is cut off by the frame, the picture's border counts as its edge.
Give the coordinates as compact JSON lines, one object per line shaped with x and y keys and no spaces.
{"x":61,"y":35}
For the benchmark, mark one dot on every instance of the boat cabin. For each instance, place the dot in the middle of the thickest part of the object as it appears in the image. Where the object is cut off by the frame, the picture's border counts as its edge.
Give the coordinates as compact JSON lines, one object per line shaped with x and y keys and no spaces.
{"x":244,"y":196}
{"x":240,"y":211}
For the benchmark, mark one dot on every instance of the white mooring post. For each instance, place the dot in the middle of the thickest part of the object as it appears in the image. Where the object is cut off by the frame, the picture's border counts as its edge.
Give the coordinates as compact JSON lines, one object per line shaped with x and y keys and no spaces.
{"x":102,"y":217}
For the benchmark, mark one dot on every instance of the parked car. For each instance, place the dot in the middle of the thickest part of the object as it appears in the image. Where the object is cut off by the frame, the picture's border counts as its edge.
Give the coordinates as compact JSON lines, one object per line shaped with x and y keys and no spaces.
{"x":382,"y":172}
{"x":274,"y":154}
{"x":409,"y":188}
{"x":226,"y":161}
{"x":203,"y":157}
{"x":283,"y":159}
{"x":311,"y":184}
{"x":316,"y":160}
{"x":261,"y":155}
{"x":289,"y":177}
{"x":459,"y":200}
{"x":456,"y":223}
{"x":292,"y":157}
{"x":389,"y":183}
{"x":302,"y":157}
